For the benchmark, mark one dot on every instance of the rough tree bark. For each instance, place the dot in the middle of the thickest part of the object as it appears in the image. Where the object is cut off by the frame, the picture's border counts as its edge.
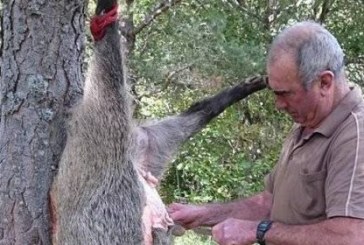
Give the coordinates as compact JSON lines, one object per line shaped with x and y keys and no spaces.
{"x":41,"y":57}
{"x":41,"y":77}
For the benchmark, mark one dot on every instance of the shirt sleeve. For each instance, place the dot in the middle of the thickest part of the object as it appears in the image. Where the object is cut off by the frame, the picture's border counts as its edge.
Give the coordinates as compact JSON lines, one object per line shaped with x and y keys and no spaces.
{"x":269,"y":180}
{"x":344,"y":185}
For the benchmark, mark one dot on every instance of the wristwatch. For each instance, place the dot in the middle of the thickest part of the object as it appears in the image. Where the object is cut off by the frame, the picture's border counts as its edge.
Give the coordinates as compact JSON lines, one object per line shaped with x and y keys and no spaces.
{"x":262,"y":228}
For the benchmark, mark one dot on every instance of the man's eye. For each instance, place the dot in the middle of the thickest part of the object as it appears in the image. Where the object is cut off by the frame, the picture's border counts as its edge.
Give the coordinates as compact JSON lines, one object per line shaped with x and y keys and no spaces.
{"x":281,"y":93}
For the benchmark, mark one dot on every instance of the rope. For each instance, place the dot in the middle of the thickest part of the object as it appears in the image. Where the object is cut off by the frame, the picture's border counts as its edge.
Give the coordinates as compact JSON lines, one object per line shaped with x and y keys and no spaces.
{"x":100,"y":22}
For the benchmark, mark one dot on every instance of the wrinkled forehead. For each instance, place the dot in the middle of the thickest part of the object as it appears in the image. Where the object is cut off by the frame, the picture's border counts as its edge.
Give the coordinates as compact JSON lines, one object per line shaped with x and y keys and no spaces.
{"x":282,"y":72}
{"x":280,"y":56}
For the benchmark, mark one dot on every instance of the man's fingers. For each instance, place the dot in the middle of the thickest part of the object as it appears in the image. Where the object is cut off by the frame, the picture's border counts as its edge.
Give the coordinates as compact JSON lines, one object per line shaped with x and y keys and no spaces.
{"x":178,"y":230}
{"x":216,"y":233}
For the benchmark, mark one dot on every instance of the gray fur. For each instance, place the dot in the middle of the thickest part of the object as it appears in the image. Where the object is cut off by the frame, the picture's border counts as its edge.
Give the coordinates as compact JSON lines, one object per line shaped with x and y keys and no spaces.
{"x":98,"y":196}
{"x":158,"y":141}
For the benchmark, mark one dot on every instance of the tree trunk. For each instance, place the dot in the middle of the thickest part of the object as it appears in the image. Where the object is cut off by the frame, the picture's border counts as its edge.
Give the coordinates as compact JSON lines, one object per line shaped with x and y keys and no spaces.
{"x":41,"y":77}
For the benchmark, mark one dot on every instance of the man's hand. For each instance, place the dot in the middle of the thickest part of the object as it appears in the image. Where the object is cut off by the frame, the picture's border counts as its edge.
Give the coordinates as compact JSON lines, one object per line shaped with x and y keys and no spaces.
{"x":235,"y":232}
{"x":186,"y":215}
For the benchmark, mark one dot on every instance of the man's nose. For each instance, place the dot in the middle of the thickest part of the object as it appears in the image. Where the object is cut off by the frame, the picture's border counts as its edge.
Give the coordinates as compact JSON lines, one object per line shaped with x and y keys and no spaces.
{"x":280,"y":103}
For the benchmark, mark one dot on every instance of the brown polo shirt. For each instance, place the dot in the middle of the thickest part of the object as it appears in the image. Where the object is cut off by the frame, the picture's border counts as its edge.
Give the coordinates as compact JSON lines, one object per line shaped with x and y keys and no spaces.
{"x":322,"y":174}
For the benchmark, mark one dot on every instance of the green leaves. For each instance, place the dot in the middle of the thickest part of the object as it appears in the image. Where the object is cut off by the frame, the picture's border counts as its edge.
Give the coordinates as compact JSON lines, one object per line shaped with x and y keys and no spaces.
{"x":231,"y":156}
{"x":198,"y":47}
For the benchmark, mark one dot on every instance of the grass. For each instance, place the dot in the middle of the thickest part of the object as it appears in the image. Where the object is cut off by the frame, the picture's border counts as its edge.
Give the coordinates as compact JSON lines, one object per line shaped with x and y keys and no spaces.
{"x":191,"y":238}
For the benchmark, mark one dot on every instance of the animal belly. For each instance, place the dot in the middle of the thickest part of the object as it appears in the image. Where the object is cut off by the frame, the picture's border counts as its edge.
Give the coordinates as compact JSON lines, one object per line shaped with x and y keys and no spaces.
{"x":155,"y":214}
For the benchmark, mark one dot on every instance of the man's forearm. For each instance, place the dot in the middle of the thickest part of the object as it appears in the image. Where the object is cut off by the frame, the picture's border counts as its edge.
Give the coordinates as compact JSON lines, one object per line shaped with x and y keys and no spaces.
{"x":253,"y":208}
{"x":338,"y":231}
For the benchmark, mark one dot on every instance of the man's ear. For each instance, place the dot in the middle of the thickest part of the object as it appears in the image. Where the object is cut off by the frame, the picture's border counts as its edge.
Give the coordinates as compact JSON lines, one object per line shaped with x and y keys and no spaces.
{"x":326,"y":82}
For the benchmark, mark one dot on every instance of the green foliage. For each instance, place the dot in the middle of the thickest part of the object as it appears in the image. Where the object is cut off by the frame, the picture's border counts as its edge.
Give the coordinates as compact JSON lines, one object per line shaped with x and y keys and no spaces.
{"x":192,"y":238}
{"x":231,"y":156}
{"x":198,"y":47}
{"x":196,"y":36}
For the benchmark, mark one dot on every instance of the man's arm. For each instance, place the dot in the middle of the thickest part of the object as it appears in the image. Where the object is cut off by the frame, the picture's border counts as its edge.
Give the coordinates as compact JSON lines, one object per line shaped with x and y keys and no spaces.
{"x":338,"y":231}
{"x":191,"y":216}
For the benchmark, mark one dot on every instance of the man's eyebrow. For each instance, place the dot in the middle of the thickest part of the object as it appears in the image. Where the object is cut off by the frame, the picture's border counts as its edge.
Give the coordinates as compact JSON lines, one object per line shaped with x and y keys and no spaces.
{"x":280,"y":92}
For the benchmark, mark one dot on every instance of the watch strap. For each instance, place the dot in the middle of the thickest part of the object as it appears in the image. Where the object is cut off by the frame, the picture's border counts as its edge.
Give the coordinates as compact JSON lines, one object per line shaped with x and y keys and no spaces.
{"x":262,"y":228}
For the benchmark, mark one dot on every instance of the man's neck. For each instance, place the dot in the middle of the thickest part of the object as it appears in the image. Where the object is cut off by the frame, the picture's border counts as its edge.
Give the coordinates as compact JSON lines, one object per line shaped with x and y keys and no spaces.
{"x":339,"y":93}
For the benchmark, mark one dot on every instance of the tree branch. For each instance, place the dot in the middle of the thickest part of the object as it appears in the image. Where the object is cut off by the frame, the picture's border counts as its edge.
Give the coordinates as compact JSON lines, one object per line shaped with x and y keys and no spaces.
{"x":158,"y":10}
{"x":244,"y":9}
{"x":355,"y":60}
{"x":321,"y":10}
{"x":171,"y":74}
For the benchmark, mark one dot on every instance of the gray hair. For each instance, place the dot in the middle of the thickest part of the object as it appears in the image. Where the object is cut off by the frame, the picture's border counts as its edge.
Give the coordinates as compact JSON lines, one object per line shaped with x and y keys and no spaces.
{"x":313,"y":47}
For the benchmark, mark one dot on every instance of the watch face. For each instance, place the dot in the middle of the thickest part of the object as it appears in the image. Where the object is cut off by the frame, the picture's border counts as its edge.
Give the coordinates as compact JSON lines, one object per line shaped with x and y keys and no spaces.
{"x":264,"y":225}
{"x":262,"y":228}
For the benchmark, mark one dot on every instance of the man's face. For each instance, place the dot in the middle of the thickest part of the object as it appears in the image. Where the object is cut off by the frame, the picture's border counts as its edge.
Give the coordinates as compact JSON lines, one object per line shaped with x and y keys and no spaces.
{"x":290,"y":96}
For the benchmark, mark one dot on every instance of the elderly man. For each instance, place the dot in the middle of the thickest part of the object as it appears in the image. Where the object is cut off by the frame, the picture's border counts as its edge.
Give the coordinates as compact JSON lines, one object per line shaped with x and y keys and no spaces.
{"x":315,"y":193}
